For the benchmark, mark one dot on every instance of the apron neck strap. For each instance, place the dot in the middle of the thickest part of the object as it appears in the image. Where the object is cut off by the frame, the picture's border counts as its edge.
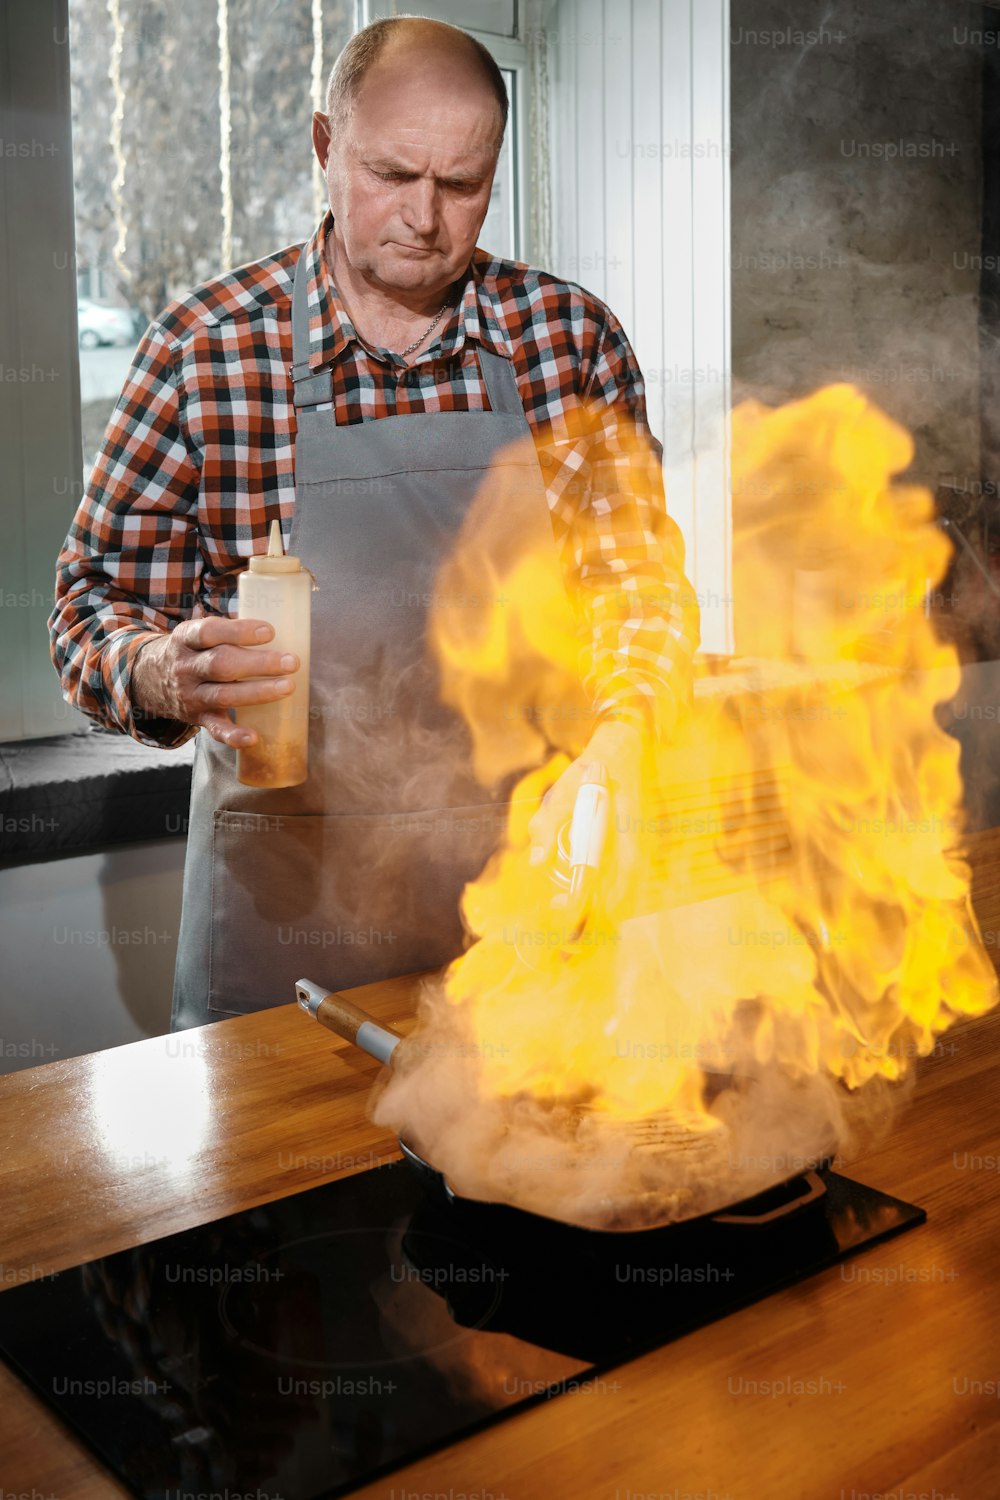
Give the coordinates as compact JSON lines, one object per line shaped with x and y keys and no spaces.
{"x":501,"y":387}
{"x":309,"y":389}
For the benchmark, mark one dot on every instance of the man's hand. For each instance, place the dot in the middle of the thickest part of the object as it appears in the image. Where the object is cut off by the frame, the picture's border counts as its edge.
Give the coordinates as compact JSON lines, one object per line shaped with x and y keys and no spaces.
{"x":619,"y":747}
{"x":204,"y":667}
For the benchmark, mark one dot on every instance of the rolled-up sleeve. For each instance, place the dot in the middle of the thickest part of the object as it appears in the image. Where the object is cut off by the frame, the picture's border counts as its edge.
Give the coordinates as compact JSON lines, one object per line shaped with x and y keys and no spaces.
{"x":130,"y":566}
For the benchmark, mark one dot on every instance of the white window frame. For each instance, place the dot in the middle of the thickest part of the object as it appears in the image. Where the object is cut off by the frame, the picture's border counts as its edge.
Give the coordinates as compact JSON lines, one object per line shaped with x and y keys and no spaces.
{"x":650,"y":228}
{"x":40,"y":436}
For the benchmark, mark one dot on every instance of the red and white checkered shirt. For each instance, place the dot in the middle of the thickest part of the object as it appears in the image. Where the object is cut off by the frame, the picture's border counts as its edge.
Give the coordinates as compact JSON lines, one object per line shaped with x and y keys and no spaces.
{"x":198,"y":459}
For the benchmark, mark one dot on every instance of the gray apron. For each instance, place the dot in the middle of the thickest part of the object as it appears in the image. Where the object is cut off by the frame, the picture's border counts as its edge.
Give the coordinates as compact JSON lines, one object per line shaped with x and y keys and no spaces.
{"x":357,"y":874}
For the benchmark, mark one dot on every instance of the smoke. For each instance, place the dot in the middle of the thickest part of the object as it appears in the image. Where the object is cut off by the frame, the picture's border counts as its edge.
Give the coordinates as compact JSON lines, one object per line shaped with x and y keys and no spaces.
{"x":561,"y":1158}
{"x":571,"y":1163}
{"x":387,"y":754}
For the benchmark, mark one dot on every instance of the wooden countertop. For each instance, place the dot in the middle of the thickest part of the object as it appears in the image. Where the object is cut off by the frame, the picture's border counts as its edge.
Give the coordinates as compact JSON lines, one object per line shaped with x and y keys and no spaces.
{"x":883,"y":1378}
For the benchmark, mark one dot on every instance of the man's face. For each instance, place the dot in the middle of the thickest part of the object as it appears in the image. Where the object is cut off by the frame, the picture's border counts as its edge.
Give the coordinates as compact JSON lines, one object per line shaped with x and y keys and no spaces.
{"x":409,"y":177}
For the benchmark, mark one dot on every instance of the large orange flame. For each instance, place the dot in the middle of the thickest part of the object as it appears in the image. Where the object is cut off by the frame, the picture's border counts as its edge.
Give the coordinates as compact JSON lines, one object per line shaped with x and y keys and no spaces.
{"x":783,"y":900}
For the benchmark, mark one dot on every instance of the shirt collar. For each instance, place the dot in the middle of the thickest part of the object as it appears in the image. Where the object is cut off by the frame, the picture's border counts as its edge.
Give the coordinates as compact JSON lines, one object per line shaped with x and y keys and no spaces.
{"x":477,"y":316}
{"x":330,"y":328}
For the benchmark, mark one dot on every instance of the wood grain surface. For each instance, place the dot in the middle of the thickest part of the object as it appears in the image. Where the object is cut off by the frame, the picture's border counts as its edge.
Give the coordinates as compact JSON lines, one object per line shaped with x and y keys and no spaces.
{"x":877,"y":1378}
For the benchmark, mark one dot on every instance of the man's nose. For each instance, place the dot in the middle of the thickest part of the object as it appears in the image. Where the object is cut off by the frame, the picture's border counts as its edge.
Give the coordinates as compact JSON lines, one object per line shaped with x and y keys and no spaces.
{"x":420,"y":205}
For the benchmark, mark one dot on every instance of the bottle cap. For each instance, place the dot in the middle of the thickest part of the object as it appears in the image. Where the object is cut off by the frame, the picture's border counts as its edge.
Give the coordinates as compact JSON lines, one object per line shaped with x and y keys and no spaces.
{"x":596,"y":774}
{"x":274,"y":560}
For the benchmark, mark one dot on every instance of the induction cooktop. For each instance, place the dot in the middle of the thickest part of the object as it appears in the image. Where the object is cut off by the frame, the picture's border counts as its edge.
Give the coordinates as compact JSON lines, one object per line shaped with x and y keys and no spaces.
{"x":299,"y":1349}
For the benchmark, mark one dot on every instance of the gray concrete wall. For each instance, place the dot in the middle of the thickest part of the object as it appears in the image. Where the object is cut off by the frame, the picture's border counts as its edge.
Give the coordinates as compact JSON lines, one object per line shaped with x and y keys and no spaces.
{"x":856,"y":208}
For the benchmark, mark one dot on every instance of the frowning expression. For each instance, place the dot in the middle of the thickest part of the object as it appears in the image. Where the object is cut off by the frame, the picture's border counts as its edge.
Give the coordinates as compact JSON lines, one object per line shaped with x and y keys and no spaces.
{"x":409,"y":173}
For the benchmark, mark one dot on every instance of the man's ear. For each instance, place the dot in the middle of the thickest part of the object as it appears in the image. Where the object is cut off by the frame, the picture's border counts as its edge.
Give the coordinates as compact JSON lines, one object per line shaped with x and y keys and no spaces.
{"x":321,"y":137}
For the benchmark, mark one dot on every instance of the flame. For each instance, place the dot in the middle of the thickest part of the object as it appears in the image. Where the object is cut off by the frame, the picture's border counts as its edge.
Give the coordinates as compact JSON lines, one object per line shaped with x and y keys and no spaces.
{"x":782,"y":923}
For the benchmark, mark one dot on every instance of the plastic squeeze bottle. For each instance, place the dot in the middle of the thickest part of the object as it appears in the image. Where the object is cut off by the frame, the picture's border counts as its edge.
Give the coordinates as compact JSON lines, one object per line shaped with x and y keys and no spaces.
{"x":278,"y":589}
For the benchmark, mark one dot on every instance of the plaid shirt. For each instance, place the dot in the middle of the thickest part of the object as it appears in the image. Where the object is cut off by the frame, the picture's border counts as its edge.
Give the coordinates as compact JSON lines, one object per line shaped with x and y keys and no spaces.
{"x":198,"y":459}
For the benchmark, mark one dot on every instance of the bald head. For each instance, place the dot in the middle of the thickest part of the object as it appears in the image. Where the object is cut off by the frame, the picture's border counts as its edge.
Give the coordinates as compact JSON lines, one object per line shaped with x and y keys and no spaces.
{"x":396,"y":50}
{"x":409,"y":148}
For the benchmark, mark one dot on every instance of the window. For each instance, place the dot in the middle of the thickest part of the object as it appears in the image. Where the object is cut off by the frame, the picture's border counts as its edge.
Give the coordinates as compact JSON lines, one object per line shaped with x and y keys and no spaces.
{"x":192,"y":153}
{"x":501,"y":229}
{"x":191,"y":149}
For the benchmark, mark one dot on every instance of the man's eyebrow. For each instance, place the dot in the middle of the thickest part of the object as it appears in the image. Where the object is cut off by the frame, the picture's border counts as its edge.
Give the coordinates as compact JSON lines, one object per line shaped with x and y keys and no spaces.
{"x":386,"y":164}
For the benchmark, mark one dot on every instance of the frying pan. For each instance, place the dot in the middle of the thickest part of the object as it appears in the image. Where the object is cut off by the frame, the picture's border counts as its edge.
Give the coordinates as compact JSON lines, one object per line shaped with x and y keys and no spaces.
{"x":786,"y":1198}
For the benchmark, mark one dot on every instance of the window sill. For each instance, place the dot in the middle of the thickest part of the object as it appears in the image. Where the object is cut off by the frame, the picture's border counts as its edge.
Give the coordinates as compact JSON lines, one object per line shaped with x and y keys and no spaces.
{"x":83,"y":791}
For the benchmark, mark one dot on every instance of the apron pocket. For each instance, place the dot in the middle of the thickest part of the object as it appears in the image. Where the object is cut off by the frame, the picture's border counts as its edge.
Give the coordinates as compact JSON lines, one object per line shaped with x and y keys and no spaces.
{"x":340,"y":899}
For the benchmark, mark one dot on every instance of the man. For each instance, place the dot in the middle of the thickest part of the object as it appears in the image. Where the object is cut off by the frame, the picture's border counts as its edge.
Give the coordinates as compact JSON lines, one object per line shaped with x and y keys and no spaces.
{"x":361,"y":388}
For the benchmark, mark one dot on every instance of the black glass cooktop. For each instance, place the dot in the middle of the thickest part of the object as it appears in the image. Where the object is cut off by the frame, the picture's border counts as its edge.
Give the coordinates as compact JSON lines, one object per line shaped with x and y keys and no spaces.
{"x":299,"y":1349}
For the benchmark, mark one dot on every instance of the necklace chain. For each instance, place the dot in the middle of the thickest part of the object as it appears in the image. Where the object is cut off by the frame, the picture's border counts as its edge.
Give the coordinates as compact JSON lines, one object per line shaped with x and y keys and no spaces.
{"x":429,"y":329}
{"x":402,"y":353}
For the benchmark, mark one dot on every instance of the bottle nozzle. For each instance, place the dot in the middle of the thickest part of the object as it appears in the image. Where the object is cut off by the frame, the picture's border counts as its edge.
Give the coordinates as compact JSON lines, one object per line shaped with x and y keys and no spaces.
{"x":275,"y":559}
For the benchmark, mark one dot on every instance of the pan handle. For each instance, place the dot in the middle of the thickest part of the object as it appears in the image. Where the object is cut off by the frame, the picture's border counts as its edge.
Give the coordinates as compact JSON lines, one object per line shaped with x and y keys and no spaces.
{"x":337,"y":1013}
{"x":815,"y":1188}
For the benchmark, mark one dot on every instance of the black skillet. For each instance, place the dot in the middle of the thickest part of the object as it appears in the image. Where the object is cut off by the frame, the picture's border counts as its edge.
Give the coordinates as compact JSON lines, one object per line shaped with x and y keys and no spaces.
{"x":788,"y":1197}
